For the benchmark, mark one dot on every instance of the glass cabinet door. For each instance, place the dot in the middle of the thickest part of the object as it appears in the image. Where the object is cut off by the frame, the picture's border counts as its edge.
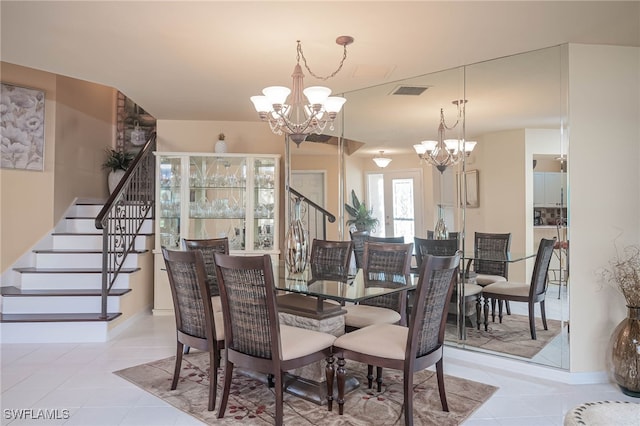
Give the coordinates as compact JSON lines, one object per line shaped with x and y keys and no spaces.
{"x":264,"y":174}
{"x":217,"y":199}
{"x":170,"y":172}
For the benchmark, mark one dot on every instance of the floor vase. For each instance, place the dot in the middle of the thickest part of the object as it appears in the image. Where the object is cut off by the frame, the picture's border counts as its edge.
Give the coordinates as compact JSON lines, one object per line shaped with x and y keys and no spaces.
{"x":625,"y":353}
{"x":296,"y":242}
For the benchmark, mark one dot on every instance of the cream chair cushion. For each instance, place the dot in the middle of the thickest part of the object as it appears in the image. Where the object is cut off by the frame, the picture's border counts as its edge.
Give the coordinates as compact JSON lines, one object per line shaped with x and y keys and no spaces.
{"x":509,"y":288}
{"x":391,"y":341}
{"x":359,"y":316}
{"x":216,"y":304}
{"x":219,"y":322}
{"x":484,"y":279}
{"x":297,"y":342}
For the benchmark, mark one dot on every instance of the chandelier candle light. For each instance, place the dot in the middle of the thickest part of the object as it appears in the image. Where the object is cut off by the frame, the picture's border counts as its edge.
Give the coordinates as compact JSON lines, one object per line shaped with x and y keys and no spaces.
{"x":445,"y":152}
{"x":308,"y":110}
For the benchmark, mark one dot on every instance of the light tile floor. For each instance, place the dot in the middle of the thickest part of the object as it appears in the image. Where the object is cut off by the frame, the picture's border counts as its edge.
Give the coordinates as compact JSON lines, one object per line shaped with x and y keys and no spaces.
{"x":78,"y":378}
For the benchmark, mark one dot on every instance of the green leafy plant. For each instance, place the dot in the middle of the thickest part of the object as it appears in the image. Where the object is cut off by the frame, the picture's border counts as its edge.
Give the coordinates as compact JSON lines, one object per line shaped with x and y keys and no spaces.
{"x":361,"y":217}
{"x":117,"y":160}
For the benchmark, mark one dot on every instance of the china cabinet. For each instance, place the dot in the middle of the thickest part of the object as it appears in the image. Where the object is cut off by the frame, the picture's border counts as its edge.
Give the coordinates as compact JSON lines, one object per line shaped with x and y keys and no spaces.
{"x":204,"y":195}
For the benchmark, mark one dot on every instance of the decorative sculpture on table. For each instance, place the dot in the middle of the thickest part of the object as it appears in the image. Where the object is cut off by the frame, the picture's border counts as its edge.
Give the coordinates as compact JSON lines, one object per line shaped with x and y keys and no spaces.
{"x":297,"y":240}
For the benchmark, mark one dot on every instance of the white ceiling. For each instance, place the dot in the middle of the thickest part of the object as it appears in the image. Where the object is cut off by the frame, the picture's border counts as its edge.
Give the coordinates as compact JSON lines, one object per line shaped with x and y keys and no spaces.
{"x":203,"y":60}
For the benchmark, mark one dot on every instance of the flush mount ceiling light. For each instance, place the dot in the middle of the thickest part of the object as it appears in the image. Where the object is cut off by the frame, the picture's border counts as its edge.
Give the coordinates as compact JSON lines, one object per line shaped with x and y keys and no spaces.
{"x":445,"y":152}
{"x":308,"y":110}
{"x":381,"y":161}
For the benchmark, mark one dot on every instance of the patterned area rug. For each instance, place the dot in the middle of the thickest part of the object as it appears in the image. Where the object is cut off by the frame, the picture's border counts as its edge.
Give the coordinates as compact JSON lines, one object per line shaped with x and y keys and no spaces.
{"x":253,"y":403}
{"x":511,"y":337}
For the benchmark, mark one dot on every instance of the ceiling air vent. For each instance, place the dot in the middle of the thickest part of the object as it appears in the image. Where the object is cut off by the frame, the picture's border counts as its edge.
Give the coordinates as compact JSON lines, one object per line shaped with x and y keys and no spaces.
{"x":409,"y":90}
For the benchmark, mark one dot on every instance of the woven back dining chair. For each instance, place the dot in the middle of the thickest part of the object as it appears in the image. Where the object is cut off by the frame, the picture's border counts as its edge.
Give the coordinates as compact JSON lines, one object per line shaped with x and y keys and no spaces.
{"x":208,"y":247}
{"x":197,"y":325}
{"x":329,"y":260}
{"x":358,"y":238}
{"x":408,"y":349}
{"x":254,"y":337}
{"x":521,"y":292}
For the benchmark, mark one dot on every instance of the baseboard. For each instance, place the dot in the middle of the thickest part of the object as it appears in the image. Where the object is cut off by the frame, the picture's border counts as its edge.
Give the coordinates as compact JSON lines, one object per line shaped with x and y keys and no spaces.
{"x":525,"y":368}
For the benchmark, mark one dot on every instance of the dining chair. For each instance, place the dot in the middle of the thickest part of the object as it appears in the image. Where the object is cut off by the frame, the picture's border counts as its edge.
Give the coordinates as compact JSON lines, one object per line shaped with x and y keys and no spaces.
{"x":452,"y":235}
{"x":472,"y":291}
{"x":521,"y":292}
{"x":254,"y":337}
{"x":409,"y":349}
{"x":329,"y":260}
{"x":374,"y":239}
{"x":208,"y":247}
{"x":358,"y":238}
{"x":384,"y":265}
{"x":196,"y":324}
{"x":491,"y":245}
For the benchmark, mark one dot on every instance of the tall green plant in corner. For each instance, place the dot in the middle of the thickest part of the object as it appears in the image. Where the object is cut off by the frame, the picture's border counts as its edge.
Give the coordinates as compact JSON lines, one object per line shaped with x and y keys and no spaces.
{"x":361,"y":217}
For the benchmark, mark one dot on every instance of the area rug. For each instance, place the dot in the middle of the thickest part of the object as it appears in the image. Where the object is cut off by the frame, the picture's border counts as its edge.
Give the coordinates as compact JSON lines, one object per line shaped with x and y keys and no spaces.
{"x":252,"y":402}
{"x":511,"y":337}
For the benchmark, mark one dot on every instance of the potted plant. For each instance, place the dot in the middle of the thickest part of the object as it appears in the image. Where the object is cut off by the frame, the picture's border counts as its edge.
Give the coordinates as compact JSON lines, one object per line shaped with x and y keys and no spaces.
{"x":118,"y":162}
{"x":361,"y":217}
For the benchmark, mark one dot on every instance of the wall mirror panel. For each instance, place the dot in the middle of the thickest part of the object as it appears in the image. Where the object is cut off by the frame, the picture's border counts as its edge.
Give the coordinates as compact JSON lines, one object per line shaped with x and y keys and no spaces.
{"x":515,"y":111}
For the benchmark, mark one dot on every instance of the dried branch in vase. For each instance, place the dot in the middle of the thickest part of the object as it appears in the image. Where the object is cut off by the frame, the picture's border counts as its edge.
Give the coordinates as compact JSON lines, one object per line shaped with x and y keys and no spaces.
{"x":624,"y":273}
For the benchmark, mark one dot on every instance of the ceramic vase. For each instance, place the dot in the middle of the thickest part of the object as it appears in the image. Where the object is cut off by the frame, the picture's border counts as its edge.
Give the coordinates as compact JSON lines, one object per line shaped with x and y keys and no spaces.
{"x":220,"y":147}
{"x":625,"y":353}
{"x":296,"y":242}
{"x":114,"y":179}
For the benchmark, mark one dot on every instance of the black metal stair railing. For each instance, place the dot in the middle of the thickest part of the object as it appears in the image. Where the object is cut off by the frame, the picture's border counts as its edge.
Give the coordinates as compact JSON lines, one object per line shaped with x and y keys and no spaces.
{"x":315,"y":217}
{"x":124,"y":214}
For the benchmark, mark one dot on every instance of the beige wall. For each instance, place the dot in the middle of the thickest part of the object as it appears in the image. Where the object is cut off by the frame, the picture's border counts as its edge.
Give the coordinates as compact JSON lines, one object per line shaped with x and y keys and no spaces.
{"x":85,"y":127}
{"x":26,"y":210}
{"x":77,"y":129}
{"x":604,"y":188}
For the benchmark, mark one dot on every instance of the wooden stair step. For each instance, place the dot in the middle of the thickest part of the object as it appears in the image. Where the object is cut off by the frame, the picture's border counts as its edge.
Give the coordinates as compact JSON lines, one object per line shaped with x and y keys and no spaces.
{"x":78,"y":317}
{"x":81,"y":251}
{"x":32,"y":270}
{"x":12,"y":291}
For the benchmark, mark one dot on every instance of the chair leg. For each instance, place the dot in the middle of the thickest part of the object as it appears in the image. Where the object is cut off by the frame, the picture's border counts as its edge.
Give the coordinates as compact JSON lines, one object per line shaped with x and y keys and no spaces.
{"x":544,"y":314}
{"x":176,"y":371}
{"x":341,"y":380}
{"x":532,"y":320}
{"x":228,"y":373}
{"x":279,"y":400}
{"x":506,"y":303}
{"x":408,"y":398}
{"x":500,"y":310}
{"x":478,"y":309}
{"x":186,"y":349}
{"x":329,"y":372}
{"x":379,"y":378}
{"x":486,"y":313}
{"x":370,"y":375}
{"x":213,"y":378}
{"x":493,"y":310}
{"x":443,"y":395}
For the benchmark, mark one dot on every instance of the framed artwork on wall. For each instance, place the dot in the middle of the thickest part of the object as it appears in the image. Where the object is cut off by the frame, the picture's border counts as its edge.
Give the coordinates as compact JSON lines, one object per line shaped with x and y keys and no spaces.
{"x":472,"y":194}
{"x":21,"y":127}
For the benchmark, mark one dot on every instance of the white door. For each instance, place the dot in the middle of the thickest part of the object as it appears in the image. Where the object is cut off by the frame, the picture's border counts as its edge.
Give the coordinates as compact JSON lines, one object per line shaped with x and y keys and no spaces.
{"x":311,"y":184}
{"x":396,"y":198}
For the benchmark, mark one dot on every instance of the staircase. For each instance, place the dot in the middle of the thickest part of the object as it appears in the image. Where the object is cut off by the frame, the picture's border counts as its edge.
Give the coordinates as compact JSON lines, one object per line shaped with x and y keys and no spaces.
{"x":58,"y":299}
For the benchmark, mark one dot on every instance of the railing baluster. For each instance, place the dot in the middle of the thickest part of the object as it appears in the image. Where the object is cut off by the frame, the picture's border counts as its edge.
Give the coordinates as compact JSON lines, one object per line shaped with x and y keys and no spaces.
{"x":123,"y":216}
